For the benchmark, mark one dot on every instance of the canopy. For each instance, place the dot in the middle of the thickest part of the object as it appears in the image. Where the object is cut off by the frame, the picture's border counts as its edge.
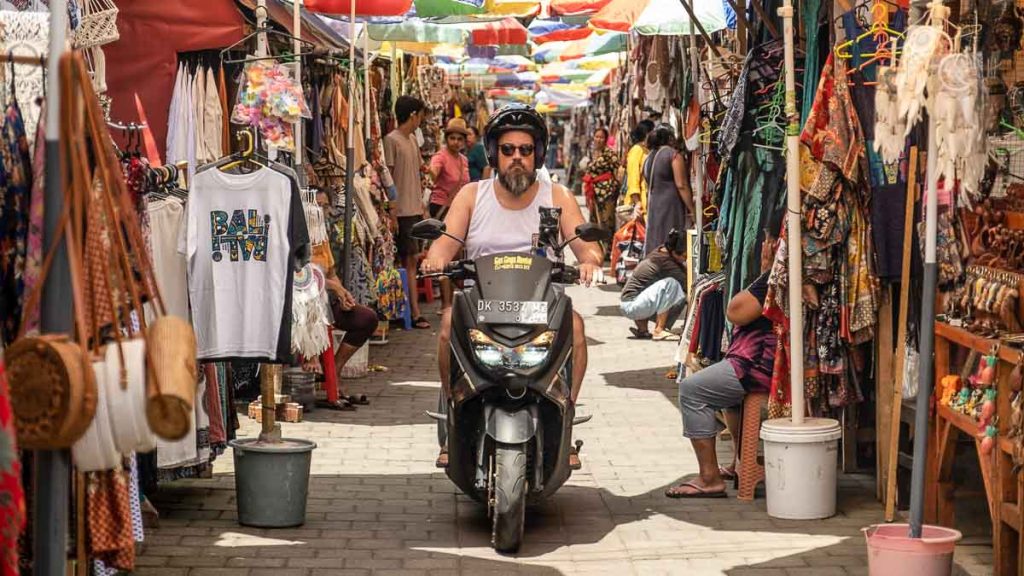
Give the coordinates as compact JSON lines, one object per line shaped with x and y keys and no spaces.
{"x":658,"y":17}
{"x":363,"y":7}
{"x":577,"y":6}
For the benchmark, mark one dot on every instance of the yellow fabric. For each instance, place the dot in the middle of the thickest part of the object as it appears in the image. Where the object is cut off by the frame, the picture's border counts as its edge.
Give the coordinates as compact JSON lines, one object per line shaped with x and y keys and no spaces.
{"x":634,"y":176}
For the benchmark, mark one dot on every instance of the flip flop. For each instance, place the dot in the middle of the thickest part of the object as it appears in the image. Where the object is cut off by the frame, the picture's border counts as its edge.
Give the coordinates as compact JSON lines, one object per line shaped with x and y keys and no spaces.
{"x":726,"y":473}
{"x":638,"y":335}
{"x":665,"y":336}
{"x":700,"y":492}
{"x":420,"y":323}
{"x":342,"y":405}
{"x":360,"y":400}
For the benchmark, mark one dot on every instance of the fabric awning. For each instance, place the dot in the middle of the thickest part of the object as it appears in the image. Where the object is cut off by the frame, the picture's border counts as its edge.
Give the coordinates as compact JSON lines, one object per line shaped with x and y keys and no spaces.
{"x":363,"y":7}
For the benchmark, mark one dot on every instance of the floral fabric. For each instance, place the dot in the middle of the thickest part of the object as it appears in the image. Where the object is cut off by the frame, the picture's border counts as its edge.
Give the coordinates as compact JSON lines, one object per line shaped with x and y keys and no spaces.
{"x":12,"y":496}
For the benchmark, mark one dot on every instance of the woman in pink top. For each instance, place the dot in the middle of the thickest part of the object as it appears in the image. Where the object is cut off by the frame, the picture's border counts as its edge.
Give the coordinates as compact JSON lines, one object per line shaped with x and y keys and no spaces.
{"x":449,"y":168}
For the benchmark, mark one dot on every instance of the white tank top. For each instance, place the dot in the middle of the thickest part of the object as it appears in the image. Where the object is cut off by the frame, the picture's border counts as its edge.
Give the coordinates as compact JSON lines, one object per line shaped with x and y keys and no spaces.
{"x":494,"y":229}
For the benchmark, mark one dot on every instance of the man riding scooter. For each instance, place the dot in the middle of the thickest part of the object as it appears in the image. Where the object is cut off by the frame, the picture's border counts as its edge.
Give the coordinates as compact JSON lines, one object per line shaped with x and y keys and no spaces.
{"x":502,"y":215}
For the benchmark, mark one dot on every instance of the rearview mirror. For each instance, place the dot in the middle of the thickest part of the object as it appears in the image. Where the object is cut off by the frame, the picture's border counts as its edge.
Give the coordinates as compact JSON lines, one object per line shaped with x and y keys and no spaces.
{"x":590,"y":232}
{"x":430,"y":229}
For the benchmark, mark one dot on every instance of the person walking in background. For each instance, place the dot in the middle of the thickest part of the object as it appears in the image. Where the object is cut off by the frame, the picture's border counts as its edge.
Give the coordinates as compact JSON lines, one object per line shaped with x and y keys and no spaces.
{"x":636,"y":191}
{"x":449,"y":169}
{"x":402,"y":157}
{"x":600,"y":184}
{"x":478,"y":167}
{"x":669,"y":197}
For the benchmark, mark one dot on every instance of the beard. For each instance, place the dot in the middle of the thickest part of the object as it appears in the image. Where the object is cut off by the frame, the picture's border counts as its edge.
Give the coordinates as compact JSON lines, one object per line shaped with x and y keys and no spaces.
{"x":517,"y":179}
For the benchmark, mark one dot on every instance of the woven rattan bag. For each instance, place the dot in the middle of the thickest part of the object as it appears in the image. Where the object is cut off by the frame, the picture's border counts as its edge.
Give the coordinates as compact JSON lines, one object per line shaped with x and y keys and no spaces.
{"x":52,"y":384}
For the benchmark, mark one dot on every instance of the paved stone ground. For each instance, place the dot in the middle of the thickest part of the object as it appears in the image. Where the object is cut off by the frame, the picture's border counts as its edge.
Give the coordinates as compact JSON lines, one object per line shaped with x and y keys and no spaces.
{"x":377,"y":504}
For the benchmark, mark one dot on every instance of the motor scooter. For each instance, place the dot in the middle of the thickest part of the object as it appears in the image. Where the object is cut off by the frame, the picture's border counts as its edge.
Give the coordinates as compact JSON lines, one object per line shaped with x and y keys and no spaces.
{"x":508,"y":416}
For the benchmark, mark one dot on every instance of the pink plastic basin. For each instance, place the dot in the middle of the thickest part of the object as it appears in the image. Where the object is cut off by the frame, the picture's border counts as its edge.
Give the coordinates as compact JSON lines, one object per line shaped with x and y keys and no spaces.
{"x":891,"y":550}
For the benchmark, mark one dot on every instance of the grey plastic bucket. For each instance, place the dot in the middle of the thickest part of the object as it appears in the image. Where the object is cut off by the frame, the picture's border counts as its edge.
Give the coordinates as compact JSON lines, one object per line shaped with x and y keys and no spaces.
{"x":272,"y":481}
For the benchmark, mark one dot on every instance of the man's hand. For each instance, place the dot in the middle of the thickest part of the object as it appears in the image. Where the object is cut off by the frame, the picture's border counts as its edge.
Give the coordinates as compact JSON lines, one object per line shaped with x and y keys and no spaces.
{"x":768,"y":249}
{"x":432,"y":266}
{"x":348,"y":301}
{"x":311,"y":365}
{"x":590,"y":273}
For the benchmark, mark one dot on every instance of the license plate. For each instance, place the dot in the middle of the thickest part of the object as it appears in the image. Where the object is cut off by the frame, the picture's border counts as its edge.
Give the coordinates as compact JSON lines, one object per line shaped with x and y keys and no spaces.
{"x":512,"y":312}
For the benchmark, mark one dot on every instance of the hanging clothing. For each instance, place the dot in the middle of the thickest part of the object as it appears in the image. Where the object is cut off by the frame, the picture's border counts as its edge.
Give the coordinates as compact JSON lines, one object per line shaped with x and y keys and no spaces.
{"x":243,"y":231}
{"x":34,"y":249}
{"x":665,"y":208}
{"x":12,"y":496}
{"x":15,"y":203}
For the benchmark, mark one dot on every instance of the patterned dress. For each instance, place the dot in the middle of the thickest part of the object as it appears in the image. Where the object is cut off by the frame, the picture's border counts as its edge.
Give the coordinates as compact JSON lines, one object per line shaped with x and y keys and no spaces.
{"x":602,"y":188}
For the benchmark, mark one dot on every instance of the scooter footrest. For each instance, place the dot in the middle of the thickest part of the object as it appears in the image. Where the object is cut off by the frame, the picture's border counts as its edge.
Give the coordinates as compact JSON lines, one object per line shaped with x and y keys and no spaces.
{"x":582,"y":419}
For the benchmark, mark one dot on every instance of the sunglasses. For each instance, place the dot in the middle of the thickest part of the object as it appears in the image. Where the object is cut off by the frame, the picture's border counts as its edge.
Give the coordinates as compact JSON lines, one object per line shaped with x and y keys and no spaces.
{"x":525,"y":150}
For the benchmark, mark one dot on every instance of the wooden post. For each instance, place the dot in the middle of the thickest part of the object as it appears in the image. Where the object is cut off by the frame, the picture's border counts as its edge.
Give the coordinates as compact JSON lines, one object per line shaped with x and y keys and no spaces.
{"x":883,"y":394}
{"x":901,"y":342}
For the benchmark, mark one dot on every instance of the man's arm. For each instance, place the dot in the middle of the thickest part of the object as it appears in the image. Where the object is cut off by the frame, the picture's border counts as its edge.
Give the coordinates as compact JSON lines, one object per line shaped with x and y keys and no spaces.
{"x":444,"y":249}
{"x":589,"y":254}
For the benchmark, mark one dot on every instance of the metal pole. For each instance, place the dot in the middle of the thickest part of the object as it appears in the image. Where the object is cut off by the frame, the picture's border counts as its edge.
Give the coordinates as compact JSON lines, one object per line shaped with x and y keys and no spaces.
{"x":52,"y":484}
{"x":796,"y":305}
{"x":297,"y":49}
{"x":926,"y":369}
{"x":350,"y":151}
{"x":698,"y":191}
{"x":367,"y":61}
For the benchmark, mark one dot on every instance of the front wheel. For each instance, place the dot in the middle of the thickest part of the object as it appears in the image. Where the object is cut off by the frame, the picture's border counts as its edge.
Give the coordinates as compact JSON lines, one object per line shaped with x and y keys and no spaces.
{"x":509,"y":504}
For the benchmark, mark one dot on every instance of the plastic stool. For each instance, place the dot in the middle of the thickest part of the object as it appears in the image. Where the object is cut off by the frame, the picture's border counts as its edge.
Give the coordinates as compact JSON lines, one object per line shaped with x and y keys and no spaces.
{"x":751,"y":472}
{"x":426,"y":285}
{"x":407,"y":309}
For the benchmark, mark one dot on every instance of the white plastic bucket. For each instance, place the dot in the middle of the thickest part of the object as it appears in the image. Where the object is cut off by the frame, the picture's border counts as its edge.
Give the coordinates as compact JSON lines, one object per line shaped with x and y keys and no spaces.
{"x":800,"y":467}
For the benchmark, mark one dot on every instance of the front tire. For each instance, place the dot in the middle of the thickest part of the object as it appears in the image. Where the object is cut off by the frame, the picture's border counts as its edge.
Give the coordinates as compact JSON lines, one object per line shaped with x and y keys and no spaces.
{"x":509,"y":513}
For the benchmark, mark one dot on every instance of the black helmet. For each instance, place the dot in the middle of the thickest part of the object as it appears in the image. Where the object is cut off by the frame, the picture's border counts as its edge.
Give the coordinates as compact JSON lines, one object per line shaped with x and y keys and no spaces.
{"x":511,"y":117}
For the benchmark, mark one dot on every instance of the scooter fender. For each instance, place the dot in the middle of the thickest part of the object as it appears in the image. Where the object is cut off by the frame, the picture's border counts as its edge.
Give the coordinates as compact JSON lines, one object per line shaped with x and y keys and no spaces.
{"x":511,"y":427}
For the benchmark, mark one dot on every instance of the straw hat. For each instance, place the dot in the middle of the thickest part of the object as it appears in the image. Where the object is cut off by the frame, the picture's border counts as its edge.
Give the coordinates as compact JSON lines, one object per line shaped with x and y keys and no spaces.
{"x":456,"y":126}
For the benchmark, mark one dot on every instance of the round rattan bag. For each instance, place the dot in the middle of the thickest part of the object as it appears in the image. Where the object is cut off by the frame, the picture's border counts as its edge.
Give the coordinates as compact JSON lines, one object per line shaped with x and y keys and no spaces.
{"x":53,"y":391}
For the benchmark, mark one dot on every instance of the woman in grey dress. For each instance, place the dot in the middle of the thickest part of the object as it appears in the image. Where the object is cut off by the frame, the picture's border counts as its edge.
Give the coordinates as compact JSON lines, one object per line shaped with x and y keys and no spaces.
{"x":669,"y":198}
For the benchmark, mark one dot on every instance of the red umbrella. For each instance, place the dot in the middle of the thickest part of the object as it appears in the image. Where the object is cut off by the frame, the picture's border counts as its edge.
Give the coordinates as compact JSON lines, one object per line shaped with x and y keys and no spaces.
{"x":363,"y":7}
{"x":506,"y":31}
{"x":566,"y":7}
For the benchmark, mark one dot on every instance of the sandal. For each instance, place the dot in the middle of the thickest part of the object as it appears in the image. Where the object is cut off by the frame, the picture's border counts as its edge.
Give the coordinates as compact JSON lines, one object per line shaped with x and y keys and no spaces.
{"x":342,"y":405}
{"x":442,"y":459}
{"x":420,"y":323}
{"x":640,"y":334}
{"x":360,"y":400}
{"x":727,"y":474}
{"x":701,"y":492}
{"x":665,"y":336}
{"x":574,"y":459}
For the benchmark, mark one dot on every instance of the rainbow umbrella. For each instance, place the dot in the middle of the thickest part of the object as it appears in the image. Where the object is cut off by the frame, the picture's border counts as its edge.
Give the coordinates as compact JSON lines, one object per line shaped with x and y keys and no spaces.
{"x":550,"y":51}
{"x":504,"y":31}
{"x":363,"y":7}
{"x":658,"y":17}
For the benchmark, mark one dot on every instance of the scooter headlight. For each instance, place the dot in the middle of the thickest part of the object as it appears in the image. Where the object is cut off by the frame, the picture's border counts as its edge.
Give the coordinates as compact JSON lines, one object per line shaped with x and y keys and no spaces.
{"x":494,"y":355}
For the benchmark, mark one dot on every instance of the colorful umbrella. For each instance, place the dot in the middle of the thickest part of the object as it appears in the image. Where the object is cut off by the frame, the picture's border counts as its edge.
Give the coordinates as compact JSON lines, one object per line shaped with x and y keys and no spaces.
{"x":658,"y":17}
{"x":504,"y":31}
{"x":517,"y":8}
{"x":437,"y":8}
{"x":595,"y":45}
{"x":363,"y":7}
{"x":415,"y":30}
{"x":542,"y":31}
{"x":565,"y":7}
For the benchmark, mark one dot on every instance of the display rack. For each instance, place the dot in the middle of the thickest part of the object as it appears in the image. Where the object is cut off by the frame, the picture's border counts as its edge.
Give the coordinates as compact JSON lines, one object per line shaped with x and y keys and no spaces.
{"x":1004,"y":489}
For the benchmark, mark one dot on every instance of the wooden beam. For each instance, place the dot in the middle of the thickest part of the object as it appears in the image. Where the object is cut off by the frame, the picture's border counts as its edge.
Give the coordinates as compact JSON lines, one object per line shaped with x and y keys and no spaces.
{"x":765,"y":19}
{"x":901,"y":342}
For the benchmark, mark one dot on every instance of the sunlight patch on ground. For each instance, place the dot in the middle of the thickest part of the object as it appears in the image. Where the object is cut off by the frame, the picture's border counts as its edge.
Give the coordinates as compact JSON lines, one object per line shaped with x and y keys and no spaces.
{"x":239,"y":540}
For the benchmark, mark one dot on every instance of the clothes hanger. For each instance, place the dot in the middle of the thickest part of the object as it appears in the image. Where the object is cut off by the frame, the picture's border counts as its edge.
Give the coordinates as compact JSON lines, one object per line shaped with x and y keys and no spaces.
{"x":879,"y":31}
{"x":269,"y":31}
